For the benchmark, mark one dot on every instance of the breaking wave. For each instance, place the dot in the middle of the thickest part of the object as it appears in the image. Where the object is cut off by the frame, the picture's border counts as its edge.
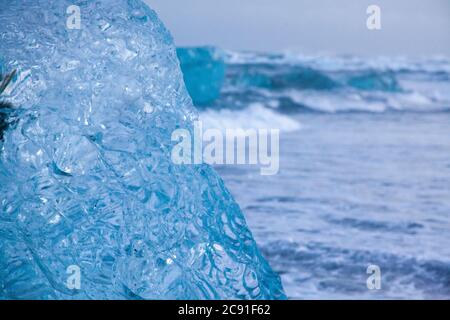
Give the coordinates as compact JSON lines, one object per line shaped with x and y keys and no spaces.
{"x":293,"y":84}
{"x":256,"y":116}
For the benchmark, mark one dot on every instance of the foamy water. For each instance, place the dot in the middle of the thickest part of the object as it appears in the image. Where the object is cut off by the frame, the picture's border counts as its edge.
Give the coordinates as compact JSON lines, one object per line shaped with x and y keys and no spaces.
{"x":364,"y":171}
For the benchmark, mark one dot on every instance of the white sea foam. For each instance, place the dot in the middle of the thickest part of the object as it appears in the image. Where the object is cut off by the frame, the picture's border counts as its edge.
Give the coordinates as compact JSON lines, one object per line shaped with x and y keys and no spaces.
{"x":332,"y":102}
{"x":255,"y":116}
{"x":374,"y":102}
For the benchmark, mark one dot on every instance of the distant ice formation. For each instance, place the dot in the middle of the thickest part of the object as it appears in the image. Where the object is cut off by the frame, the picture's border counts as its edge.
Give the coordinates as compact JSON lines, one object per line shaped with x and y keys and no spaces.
{"x":204,"y":73}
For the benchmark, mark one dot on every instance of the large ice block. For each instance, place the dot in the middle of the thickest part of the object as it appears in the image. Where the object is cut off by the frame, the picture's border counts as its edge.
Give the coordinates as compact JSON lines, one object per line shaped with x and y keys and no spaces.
{"x":86,"y":178}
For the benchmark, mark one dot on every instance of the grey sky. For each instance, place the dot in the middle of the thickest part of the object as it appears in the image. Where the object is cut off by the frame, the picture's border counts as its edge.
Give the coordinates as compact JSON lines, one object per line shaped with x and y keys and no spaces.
{"x":409,"y":27}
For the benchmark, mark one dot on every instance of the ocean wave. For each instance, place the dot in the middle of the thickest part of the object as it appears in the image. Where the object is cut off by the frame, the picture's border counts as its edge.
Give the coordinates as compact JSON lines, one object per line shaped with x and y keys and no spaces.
{"x":337,"y":63}
{"x":337,"y":272}
{"x":295,"y":83}
{"x":335,"y":102}
{"x":374,"y":81}
{"x":277,"y":77}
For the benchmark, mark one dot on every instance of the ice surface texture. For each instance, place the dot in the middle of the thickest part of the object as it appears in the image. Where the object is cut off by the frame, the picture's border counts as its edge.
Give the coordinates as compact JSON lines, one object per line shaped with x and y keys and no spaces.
{"x":86,"y":175}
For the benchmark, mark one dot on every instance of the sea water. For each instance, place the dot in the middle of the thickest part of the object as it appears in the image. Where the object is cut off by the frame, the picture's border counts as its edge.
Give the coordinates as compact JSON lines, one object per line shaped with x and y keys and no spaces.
{"x":364,"y":170}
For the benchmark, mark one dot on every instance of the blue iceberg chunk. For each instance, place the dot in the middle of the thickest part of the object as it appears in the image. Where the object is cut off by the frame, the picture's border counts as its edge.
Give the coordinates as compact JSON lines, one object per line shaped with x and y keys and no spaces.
{"x":86,"y":178}
{"x":204,"y":73}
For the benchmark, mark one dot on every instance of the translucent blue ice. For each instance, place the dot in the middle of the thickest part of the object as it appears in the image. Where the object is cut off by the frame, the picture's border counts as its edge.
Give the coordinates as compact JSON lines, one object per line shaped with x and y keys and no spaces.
{"x":86,"y":177}
{"x":204,"y":73}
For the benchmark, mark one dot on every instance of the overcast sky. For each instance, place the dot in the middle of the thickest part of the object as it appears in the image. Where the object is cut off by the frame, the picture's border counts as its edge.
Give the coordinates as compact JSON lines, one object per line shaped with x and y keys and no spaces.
{"x":409,"y":27}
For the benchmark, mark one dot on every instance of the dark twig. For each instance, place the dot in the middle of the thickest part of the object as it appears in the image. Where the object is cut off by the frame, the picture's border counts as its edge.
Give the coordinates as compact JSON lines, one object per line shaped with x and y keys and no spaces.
{"x":5,"y":107}
{"x":5,"y":82}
